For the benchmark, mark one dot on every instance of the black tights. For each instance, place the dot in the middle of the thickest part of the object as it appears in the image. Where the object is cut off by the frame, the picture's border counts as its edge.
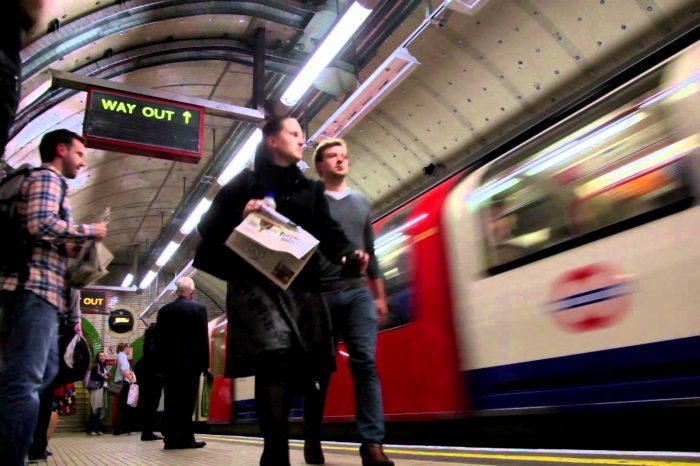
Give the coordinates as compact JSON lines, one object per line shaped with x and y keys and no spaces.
{"x":273,"y":397}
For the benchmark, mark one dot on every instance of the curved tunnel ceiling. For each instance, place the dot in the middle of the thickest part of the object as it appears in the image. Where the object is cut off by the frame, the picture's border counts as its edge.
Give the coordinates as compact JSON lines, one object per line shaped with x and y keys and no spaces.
{"x":481,"y":77}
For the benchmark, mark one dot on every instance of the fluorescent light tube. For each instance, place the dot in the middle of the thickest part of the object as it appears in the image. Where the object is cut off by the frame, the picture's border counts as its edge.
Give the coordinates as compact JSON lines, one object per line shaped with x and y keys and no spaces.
{"x":167,"y":253}
{"x":469,"y":7}
{"x":148,"y":279}
{"x":242,"y":157}
{"x":128,"y":280}
{"x":376,"y":87}
{"x":193,"y":220}
{"x":329,"y":48}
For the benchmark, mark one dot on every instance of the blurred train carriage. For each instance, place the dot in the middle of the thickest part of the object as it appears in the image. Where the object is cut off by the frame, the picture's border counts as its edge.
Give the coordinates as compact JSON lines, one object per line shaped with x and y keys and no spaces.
{"x":561,"y":274}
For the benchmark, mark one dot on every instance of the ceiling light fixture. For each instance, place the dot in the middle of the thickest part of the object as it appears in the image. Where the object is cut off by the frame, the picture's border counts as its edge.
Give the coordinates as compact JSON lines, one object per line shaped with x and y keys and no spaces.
{"x":196,"y":215}
{"x":167,"y":253}
{"x":469,"y":7}
{"x":148,"y":279}
{"x":376,"y":87}
{"x":128,"y":280}
{"x":242,"y":157}
{"x":329,"y":48}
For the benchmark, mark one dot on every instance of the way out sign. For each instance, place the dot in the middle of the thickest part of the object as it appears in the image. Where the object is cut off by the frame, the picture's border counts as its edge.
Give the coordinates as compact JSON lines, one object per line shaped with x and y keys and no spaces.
{"x":139,"y":125}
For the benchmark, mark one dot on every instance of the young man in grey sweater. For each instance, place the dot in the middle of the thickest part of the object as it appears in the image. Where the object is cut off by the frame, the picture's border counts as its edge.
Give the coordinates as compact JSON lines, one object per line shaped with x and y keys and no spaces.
{"x":356,"y":302}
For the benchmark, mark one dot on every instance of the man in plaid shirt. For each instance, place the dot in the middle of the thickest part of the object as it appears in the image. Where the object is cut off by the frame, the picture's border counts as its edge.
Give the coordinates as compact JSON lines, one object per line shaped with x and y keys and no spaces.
{"x":30,"y":359}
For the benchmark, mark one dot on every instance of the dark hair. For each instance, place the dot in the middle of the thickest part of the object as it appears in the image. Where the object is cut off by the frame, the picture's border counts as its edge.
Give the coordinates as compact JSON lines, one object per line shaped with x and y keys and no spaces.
{"x":97,"y":356}
{"x":121,"y":346}
{"x":272,"y":127}
{"x":47,"y":146}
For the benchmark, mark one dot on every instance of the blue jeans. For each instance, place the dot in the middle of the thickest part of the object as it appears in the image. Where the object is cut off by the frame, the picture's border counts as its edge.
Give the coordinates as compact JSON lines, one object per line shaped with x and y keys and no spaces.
{"x":29,"y":364}
{"x":355,"y":321}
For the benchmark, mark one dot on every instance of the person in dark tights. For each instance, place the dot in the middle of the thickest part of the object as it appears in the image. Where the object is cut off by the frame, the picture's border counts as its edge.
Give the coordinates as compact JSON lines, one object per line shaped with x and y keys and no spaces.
{"x":150,"y":385}
{"x":282,"y":337}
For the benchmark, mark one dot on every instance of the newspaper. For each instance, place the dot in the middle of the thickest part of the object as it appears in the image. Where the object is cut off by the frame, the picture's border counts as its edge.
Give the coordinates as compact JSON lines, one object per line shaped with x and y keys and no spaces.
{"x":92,"y":261}
{"x":273,"y":244}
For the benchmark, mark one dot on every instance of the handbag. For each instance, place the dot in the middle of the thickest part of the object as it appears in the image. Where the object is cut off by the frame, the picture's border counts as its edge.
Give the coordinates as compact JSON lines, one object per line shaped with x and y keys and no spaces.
{"x":91,"y":384}
{"x":133,"y":398}
{"x":74,"y":353}
{"x":115,"y":388}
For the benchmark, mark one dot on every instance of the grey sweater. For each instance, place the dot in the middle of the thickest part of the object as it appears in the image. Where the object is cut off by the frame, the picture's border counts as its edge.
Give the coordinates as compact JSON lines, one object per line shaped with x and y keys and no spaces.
{"x":352,"y":212}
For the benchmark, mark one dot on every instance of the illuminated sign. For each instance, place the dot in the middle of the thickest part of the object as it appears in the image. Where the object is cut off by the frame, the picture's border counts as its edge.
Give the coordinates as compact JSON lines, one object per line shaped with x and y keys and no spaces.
{"x":121,"y":321}
{"x":141,"y":125}
{"x":93,"y":302}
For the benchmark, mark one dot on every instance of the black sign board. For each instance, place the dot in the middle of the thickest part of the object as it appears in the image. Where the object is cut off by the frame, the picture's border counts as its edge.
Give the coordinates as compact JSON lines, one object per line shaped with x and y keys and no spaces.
{"x":93,"y":302}
{"x":141,"y":125}
{"x":121,"y":321}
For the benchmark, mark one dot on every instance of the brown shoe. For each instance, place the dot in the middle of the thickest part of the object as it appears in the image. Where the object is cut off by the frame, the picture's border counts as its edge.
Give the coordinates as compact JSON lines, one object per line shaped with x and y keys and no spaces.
{"x":313,"y":454}
{"x":373,"y":455}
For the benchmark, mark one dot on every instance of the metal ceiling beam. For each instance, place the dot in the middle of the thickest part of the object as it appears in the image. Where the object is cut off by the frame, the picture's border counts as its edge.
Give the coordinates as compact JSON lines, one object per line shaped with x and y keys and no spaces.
{"x":80,"y":82}
{"x":259,"y":71}
{"x":112,"y":20}
{"x":156,"y":55}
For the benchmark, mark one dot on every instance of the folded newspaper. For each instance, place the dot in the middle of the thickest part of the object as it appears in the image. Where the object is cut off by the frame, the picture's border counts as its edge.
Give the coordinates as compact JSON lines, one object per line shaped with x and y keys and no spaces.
{"x":92,"y":261}
{"x":273,"y":244}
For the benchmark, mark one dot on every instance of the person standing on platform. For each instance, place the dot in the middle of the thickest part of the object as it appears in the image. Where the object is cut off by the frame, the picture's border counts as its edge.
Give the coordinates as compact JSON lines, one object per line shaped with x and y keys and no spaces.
{"x":123,"y":375}
{"x":33,"y":296}
{"x":182,"y":346}
{"x":47,"y":419}
{"x":282,"y":337}
{"x":99,"y":375}
{"x":150,"y":385}
{"x":354,"y":308}
{"x":18,"y":16}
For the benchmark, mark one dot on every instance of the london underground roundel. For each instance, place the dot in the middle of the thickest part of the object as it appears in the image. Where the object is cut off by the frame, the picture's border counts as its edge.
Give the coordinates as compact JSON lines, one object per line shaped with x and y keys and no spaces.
{"x":121,"y":321}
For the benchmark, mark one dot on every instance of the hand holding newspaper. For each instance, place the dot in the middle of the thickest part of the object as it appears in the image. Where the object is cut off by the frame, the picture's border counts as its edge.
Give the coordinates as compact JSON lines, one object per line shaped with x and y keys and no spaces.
{"x":92,"y":261}
{"x":273,"y":244}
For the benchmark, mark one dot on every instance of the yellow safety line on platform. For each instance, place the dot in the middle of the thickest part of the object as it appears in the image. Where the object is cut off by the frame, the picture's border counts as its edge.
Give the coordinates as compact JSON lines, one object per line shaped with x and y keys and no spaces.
{"x":495,"y":456}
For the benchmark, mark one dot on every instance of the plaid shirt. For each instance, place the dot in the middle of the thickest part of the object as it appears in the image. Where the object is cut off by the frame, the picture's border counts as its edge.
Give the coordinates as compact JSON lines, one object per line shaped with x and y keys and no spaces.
{"x":39,"y":213}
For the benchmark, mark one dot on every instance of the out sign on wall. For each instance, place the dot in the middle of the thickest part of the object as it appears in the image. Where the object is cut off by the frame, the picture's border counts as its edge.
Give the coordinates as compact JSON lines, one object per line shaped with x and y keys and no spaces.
{"x":93,"y":302}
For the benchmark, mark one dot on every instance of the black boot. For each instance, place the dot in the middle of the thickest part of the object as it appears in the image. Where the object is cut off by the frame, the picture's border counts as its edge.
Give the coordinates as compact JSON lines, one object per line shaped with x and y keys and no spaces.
{"x":313,"y":454}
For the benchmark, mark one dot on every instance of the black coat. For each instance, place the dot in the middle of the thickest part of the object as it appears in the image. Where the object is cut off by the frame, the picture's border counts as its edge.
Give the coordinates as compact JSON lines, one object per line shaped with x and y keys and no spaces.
{"x":262,"y":317}
{"x":298,"y":198}
{"x":182,"y":337}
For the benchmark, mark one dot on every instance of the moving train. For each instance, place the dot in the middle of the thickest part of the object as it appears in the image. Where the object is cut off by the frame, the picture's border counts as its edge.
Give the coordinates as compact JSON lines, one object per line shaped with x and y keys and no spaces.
{"x":562,"y":274}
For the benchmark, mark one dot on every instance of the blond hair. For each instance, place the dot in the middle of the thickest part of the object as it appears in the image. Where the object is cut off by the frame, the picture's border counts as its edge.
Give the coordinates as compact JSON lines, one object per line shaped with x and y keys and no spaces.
{"x":325,"y":144}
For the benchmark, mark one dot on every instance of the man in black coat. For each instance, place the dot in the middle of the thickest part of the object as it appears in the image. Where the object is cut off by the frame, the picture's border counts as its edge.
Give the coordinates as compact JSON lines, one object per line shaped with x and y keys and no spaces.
{"x":182,"y":345}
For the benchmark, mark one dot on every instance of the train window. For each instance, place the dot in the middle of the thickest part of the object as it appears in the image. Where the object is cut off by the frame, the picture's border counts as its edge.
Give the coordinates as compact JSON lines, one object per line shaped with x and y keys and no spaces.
{"x":626,"y":166}
{"x":391,"y":247}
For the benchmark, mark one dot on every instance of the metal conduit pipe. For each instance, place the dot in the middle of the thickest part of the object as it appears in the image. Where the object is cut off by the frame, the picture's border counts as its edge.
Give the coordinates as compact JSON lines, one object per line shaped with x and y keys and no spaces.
{"x":81,"y":32}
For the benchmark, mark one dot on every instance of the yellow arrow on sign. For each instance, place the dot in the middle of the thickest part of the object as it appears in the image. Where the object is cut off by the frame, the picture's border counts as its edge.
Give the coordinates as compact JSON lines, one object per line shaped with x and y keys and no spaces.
{"x":187,"y":115}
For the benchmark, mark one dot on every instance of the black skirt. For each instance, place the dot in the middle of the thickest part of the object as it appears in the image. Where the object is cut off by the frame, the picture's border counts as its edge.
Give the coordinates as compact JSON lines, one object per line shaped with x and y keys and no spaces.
{"x":265,"y":321}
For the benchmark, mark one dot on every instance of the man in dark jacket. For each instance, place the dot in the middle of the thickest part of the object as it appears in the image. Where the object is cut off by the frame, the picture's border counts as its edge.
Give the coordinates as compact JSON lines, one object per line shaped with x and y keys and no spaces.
{"x":182,"y":346}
